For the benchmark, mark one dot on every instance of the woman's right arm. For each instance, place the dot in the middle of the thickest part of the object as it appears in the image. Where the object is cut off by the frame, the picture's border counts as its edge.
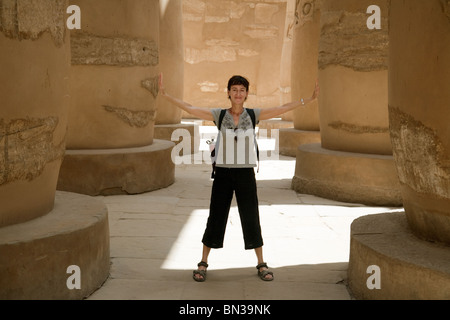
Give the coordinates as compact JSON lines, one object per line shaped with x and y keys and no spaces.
{"x":202,"y":113}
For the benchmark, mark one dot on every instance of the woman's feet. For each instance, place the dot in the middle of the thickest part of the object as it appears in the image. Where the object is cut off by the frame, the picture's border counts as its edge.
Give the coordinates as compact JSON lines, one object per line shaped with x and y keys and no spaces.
{"x":199,"y":275}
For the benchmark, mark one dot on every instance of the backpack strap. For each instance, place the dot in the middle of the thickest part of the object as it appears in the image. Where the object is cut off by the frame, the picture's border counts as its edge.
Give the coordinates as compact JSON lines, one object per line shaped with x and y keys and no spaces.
{"x":252,"y":115}
{"x":221,"y":116}
{"x":213,"y":152}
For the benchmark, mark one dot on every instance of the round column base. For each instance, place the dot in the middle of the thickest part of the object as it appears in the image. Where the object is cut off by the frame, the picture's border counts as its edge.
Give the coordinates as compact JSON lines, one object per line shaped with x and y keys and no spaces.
{"x":348,"y":177}
{"x":118,"y":171}
{"x":406,"y":267}
{"x":36,"y":254}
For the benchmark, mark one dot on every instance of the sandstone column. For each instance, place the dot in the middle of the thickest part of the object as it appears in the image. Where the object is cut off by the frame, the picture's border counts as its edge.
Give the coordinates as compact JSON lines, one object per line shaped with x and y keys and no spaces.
{"x":42,"y":232}
{"x":171,"y":58}
{"x":419,"y":106}
{"x":115,"y":65}
{"x":286,"y":57}
{"x":34,"y":103}
{"x":354,"y":163}
{"x":412,"y":267}
{"x":306,"y":31}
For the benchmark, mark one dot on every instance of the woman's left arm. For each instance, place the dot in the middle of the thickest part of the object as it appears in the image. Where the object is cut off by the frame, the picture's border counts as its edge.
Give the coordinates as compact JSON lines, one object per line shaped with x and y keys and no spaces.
{"x":270,"y":113}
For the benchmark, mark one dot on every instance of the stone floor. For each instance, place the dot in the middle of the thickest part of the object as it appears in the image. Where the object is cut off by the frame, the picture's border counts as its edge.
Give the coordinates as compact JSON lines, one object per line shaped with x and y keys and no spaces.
{"x":156,"y":242}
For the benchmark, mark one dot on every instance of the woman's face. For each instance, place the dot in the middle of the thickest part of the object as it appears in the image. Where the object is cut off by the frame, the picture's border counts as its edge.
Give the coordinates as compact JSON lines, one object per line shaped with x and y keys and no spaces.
{"x":238,"y":94}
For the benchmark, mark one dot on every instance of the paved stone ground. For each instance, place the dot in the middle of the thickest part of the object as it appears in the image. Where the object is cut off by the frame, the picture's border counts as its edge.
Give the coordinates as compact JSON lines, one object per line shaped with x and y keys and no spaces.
{"x":156,"y":242}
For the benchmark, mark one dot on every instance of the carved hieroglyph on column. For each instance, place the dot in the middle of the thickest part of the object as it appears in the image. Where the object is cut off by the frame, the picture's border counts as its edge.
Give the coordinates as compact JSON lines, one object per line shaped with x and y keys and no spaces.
{"x":419,"y":109}
{"x":354,"y":162}
{"x":34,"y":58}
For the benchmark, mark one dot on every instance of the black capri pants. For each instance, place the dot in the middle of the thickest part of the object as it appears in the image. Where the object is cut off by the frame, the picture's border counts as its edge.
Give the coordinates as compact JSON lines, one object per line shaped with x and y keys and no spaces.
{"x":242,"y":182}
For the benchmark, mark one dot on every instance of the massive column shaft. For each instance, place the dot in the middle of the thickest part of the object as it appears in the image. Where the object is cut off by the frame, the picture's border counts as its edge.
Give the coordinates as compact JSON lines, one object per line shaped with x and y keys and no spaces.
{"x":42,"y":232}
{"x":353,"y":64}
{"x":305,"y":45}
{"x":114,"y":84}
{"x":410,"y":266}
{"x":419,"y":108}
{"x":34,"y":64}
{"x":354,"y":162}
{"x":304,"y":62}
{"x":171,"y":59}
{"x":114,"y":68}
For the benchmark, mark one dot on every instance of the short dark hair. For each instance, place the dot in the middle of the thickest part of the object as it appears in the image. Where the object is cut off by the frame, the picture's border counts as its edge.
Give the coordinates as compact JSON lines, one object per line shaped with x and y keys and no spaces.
{"x":238,"y":80}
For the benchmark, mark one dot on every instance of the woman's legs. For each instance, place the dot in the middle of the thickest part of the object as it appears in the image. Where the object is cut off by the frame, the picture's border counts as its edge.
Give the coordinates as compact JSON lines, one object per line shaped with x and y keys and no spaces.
{"x":243,"y":182}
{"x":221,"y":197}
{"x":248,"y":206}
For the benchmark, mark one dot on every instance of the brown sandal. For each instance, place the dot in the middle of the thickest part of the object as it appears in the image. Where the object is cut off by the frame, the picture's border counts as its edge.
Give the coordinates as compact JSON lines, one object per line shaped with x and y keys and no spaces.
{"x":201,"y":273}
{"x":264,"y":273}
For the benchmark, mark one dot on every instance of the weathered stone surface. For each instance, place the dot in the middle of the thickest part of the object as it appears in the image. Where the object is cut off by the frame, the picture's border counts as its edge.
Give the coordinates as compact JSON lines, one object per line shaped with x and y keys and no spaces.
{"x":424,"y":164}
{"x":118,"y":171}
{"x":29,"y":19}
{"x":264,"y":12}
{"x":220,"y":11}
{"x":151,"y":84}
{"x":419,"y":102}
{"x":213,"y":54}
{"x":346,"y":41}
{"x":138,"y":119}
{"x":207,"y":86}
{"x":89,"y":49}
{"x":235,"y":37}
{"x":304,"y":11}
{"x":357,"y":129}
{"x":261,"y":31}
{"x":26,"y":146}
{"x":193,"y":10}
